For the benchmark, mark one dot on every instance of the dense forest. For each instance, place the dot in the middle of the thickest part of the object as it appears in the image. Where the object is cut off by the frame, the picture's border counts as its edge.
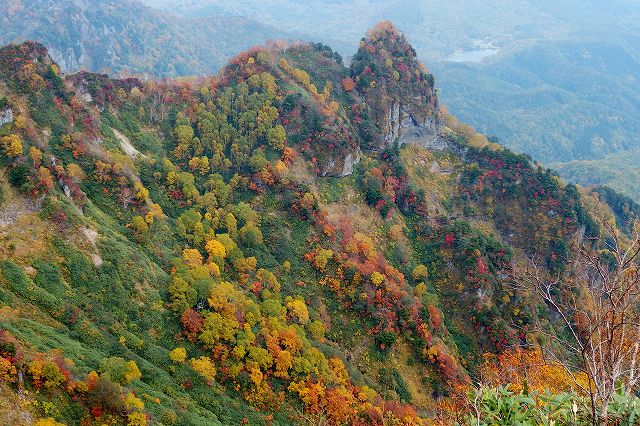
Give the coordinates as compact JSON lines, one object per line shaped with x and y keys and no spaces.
{"x":295,"y":242}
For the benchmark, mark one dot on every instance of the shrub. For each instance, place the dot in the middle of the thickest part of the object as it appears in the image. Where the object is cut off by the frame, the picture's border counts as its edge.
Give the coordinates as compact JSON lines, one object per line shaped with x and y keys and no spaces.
{"x":105,"y":394}
{"x":19,"y":176}
{"x":48,"y":422}
{"x":178,"y":355}
{"x":204,"y":367}
{"x":501,"y":406}
{"x":385,"y":340}
{"x":46,"y":373}
{"x":120,"y":370}
{"x":316,"y":329}
{"x":419,"y":273}
{"x":49,"y":277}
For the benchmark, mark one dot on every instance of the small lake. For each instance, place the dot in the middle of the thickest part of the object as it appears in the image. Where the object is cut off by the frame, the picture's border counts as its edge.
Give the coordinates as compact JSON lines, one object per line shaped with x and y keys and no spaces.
{"x":471,"y":55}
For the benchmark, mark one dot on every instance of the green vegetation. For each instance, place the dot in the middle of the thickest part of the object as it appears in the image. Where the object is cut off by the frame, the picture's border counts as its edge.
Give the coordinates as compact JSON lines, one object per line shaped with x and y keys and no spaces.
{"x":619,"y":171}
{"x":176,"y":253}
{"x":501,"y":406}
{"x":625,"y":209}
{"x":559,"y":81}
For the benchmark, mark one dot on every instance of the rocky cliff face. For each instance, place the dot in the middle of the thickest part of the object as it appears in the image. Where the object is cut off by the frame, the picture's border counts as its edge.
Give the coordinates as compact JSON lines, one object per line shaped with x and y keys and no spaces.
{"x":390,"y":96}
{"x":342,"y":166}
{"x":404,"y":124}
{"x":397,"y":88}
{"x":71,"y":57}
{"x":6,"y":116}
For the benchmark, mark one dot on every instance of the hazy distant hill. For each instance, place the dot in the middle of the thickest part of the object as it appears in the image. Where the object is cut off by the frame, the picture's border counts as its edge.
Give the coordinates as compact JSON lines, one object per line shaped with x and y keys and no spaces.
{"x":560,"y":101}
{"x":437,"y":27}
{"x":619,"y":171}
{"x":125,"y":35}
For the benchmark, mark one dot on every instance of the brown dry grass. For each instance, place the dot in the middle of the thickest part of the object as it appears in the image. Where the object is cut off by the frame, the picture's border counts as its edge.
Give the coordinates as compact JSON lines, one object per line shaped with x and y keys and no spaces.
{"x":435,"y":173}
{"x":400,"y":359}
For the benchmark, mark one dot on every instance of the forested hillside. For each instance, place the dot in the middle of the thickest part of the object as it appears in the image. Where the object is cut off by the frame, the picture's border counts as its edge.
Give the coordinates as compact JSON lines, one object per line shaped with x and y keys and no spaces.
{"x":556,"y":80}
{"x":289,"y":242}
{"x":619,"y":171}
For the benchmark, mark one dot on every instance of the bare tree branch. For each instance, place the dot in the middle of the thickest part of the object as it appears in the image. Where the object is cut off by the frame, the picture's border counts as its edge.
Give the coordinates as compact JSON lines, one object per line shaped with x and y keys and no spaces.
{"x":598,"y":302}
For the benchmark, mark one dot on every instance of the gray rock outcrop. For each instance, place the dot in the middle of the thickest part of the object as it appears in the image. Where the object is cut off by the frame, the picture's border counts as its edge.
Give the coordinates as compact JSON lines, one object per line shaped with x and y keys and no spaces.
{"x":6,"y":116}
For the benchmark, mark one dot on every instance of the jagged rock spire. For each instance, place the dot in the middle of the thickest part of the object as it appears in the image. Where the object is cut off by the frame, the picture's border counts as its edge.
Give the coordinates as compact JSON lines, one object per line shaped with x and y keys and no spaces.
{"x":398,"y":88}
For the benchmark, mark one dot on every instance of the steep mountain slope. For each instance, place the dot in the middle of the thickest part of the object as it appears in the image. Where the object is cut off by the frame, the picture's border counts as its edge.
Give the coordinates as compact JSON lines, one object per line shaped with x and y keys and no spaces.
{"x":274,"y":245}
{"x":559,"y":80}
{"x":126,"y":36}
{"x":572,"y":64}
{"x":396,"y":87}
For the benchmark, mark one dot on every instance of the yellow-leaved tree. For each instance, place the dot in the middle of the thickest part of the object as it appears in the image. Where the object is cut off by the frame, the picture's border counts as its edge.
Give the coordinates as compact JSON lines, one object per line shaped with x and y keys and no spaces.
{"x":204,"y":367}
{"x":178,"y":355}
{"x":12,"y":145}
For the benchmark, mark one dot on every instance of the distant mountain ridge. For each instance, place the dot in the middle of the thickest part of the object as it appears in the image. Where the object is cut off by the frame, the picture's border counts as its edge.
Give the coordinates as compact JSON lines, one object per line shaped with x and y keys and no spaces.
{"x":127,"y":36}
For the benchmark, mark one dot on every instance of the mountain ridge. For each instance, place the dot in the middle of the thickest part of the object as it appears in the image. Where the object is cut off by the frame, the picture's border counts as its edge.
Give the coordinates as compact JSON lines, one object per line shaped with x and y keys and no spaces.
{"x":261,"y":289}
{"x":127,"y":36}
{"x":507,"y":95}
